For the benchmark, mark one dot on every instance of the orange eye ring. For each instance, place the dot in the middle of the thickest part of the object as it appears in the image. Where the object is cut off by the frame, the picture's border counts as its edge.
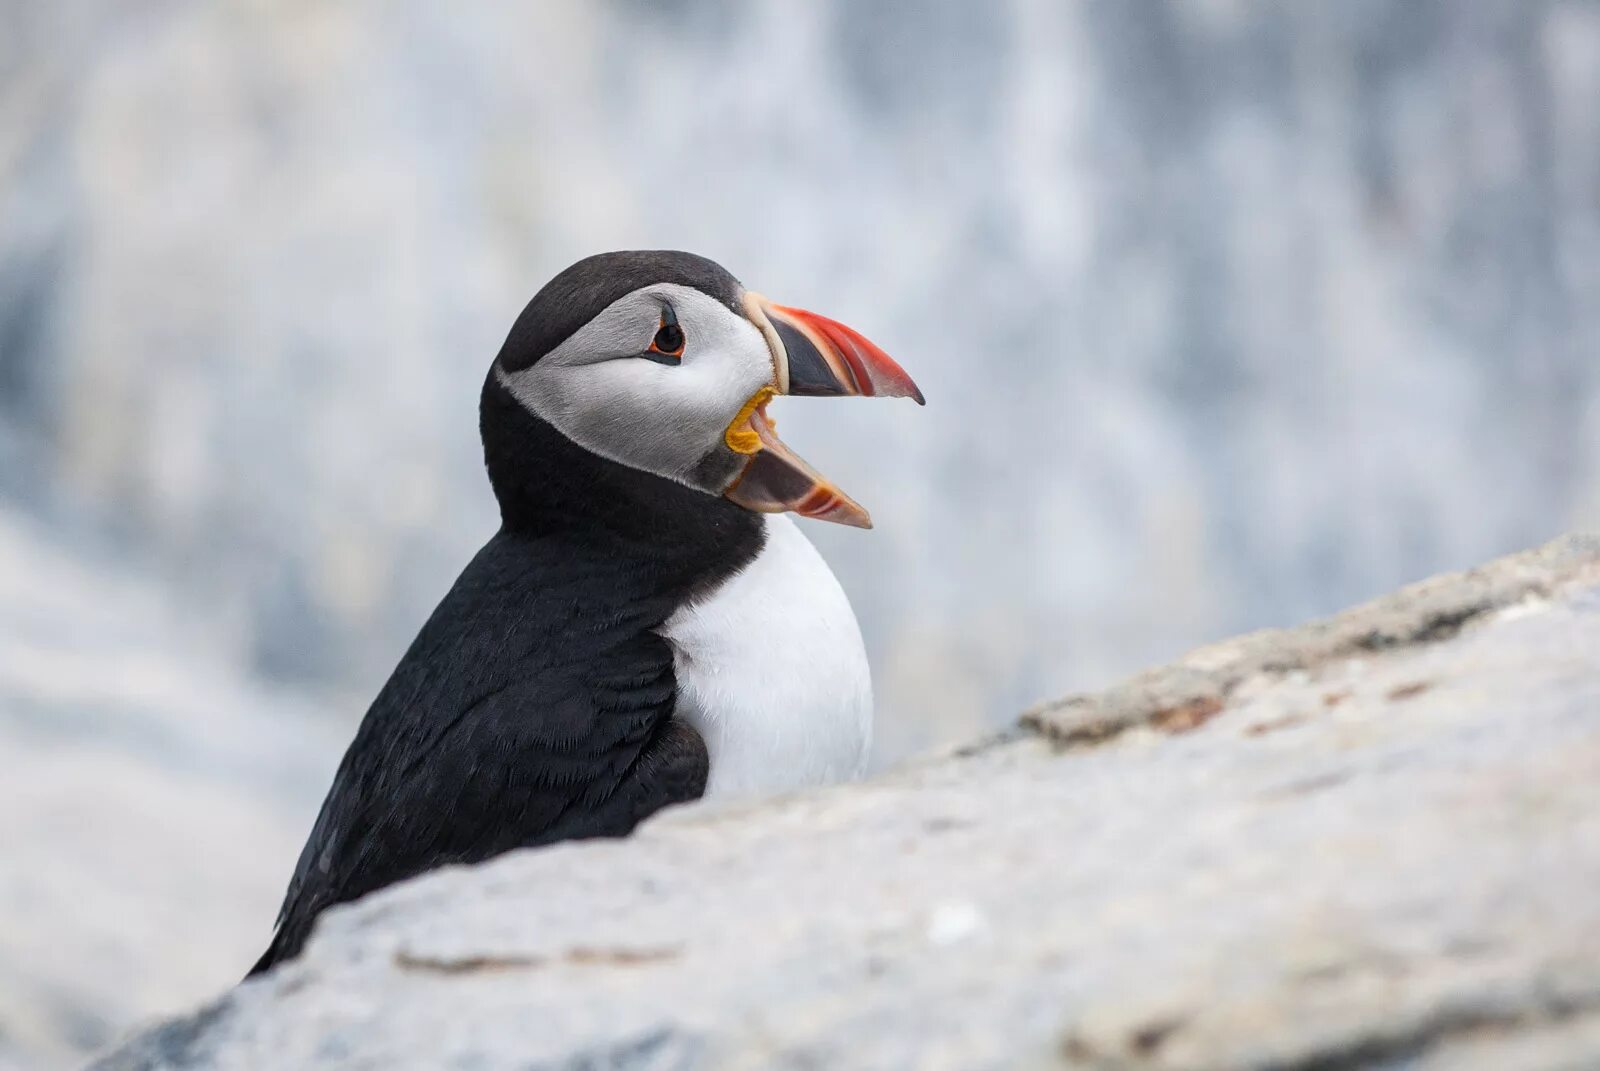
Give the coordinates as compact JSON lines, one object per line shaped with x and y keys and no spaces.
{"x":669,"y":336}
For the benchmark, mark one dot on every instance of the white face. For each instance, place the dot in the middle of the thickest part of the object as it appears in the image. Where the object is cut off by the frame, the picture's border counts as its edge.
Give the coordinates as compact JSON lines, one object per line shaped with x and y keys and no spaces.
{"x":652,"y":413}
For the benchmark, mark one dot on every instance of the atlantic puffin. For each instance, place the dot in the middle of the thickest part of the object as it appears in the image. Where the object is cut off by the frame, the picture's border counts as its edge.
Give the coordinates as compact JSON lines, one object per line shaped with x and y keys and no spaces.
{"x":647,"y":626}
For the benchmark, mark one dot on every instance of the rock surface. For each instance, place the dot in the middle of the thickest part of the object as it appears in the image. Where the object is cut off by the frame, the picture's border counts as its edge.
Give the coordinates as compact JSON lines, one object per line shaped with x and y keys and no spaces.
{"x":1369,"y":842}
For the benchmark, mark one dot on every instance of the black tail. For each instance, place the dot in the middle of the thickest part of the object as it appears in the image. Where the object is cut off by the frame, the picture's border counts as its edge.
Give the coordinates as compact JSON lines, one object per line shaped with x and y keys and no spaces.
{"x":287,"y":941}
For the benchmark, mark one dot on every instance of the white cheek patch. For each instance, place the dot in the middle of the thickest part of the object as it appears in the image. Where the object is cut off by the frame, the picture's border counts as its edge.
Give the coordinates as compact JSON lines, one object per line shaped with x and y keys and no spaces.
{"x":665,"y":419}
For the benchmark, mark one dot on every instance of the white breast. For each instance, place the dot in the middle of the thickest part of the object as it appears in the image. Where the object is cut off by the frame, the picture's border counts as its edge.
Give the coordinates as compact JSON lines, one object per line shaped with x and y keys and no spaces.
{"x":772,"y":673}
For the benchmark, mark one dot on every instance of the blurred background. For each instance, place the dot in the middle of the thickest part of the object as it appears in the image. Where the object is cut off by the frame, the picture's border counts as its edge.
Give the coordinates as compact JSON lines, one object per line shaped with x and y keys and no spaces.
{"x":1228,"y":312}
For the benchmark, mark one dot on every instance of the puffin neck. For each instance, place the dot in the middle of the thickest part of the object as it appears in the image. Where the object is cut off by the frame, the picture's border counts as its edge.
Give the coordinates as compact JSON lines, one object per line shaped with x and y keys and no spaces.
{"x":547,"y":485}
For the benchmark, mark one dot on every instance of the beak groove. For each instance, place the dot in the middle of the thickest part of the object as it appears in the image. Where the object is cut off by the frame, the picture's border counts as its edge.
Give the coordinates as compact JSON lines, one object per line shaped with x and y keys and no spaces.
{"x":777,"y":480}
{"x":812,"y":356}
{"x":836,"y":359}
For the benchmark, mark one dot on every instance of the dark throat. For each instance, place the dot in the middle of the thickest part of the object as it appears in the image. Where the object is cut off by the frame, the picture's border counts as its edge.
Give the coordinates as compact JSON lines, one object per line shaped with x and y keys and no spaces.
{"x":552,"y":490}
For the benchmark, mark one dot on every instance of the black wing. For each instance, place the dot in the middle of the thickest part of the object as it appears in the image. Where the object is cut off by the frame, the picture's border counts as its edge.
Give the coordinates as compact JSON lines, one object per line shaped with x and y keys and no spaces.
{"x":519,"y":717}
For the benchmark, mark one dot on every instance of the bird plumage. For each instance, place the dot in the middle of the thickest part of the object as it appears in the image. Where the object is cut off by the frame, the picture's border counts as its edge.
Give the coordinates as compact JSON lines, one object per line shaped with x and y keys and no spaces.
{"x":638,"y":629}
{"x":536,"y":703}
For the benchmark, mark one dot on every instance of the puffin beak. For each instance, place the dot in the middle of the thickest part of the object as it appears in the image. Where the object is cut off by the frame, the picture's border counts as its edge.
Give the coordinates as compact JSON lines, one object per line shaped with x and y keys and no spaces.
{"x":812,"y":356}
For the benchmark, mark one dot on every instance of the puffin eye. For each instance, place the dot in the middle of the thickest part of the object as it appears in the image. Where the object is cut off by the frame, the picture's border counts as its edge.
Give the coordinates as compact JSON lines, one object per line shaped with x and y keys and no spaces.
{"x":669,"y":340}
{"x":667,"y":346}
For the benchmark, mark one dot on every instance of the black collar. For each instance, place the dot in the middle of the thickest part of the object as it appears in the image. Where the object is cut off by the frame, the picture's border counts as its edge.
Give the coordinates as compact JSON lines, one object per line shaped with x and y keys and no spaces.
{"x":551,"y":488}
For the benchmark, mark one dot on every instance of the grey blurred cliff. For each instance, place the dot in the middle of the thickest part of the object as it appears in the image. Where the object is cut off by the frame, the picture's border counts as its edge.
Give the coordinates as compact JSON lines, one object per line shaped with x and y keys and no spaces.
{"x":1228,"y":314}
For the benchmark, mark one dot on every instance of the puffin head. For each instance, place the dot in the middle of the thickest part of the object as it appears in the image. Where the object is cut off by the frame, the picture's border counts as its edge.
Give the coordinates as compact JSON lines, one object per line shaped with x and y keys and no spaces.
{"x":662,"y":362}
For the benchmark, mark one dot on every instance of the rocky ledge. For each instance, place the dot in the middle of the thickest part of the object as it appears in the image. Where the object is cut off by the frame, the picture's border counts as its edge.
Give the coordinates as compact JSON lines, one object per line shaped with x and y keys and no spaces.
{"x":1373,"y":841}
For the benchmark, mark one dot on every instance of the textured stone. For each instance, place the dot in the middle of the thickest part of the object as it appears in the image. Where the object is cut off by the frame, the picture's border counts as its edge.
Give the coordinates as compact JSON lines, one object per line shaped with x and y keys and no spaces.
{"x":1374,"y":843}
{"x":1184,"y":694}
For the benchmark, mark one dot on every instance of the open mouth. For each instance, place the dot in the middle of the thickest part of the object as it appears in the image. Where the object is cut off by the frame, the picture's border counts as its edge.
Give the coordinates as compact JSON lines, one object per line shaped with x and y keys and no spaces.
{"x":811,"y":356}
{"x":743,"y":436}
{"x":777,"y":480}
